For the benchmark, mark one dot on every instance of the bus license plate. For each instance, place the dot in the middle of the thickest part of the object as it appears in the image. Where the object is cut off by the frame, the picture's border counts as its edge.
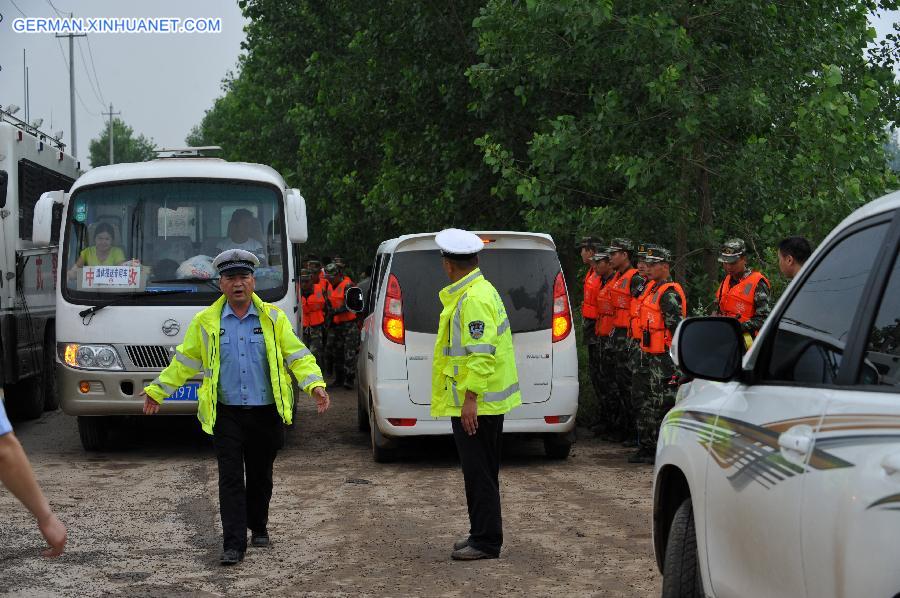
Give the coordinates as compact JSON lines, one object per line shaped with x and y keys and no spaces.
{"x":188,"y":392}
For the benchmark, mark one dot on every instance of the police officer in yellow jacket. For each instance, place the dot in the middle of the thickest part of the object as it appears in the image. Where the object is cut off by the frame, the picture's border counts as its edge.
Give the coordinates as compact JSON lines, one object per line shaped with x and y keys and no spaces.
{"x":244,"y":347}
{"x":474,"y":381}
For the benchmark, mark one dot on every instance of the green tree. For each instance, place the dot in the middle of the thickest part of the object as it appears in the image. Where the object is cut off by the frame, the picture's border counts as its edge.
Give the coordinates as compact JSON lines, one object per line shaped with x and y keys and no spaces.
{"x":126,"y":147}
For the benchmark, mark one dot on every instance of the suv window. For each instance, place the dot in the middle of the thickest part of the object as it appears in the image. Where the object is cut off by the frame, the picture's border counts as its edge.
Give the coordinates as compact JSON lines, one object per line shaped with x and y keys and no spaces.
{"x":523,"y":277}
{"x":882,"y":362}
{"x":813,"y":330}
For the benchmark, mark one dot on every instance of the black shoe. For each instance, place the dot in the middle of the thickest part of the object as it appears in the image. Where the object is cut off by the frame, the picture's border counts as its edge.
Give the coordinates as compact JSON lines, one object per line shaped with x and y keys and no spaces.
{"x":259,"y":540}
{"x":460,"y":544}
{"x":470,"y":553}
{"x":231,"y":557}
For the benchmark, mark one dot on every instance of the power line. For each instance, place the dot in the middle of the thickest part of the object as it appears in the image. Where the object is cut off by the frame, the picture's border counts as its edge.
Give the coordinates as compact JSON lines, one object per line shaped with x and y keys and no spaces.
{"x":62,"y":54}
{"x":88,"y":73}
{"x":19,"y":9}
{"x":94,"y":68}
{"x":58,"y":13}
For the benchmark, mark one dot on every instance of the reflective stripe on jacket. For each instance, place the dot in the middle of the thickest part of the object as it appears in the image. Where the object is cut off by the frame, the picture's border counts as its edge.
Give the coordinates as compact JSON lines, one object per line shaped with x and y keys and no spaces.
{"x":591,"y":286}
{"x":474,"y":351}
{"x":737,"y":301}
{"x":200,"y":353}
{"x":658,"y":338}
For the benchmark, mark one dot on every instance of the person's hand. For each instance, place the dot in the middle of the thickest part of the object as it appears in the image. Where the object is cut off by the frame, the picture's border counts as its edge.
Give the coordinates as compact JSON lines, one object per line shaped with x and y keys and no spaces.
{"x":55,"y":533}
{"x":469,"y":415}
{"x":151,"y":407}
{"x":323,"y":401}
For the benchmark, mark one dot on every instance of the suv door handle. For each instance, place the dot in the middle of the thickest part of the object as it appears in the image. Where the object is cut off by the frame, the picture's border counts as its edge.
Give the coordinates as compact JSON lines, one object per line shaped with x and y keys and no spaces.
{"x":891,"y":463}
{"x":798,"y":439}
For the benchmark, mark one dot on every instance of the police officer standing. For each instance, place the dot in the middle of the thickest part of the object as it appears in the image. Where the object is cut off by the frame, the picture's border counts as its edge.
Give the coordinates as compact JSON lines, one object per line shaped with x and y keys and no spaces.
{"x":475,"y":382}
{"x":244,"y":347}
{"x":662,"y":309}
{"x":744,"y":294}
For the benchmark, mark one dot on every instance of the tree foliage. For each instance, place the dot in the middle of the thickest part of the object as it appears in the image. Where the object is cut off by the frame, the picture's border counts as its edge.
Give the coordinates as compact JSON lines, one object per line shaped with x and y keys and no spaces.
{"x":677,"y":122}
{"x":126,"y":147}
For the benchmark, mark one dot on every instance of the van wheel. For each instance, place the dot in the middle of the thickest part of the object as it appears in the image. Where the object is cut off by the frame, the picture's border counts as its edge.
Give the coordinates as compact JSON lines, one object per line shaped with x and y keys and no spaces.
{"x":362,"y":418}
{"x":382,"y":451}
{"x":557,"y":446}
{"x":94,"y":432}
{"x":48,"y":373}
{"x":681,"y":577}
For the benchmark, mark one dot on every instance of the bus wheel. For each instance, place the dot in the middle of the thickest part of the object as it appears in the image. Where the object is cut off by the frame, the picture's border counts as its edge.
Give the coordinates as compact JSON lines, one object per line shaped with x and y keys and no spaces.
{"x":48,"y":375}
{"x":94,"y":432}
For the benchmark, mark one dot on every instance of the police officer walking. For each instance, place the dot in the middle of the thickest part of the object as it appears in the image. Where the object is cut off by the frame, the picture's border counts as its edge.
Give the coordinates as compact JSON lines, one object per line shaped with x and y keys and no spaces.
{"x":475,"y":382}
{"x":744,"y":294}
{"x":244,"y":347}
{"x":662,"y":308}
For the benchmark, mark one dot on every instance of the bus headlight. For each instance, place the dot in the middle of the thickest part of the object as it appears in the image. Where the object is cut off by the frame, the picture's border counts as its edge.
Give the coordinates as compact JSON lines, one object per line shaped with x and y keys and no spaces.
{"x":90,"y":357}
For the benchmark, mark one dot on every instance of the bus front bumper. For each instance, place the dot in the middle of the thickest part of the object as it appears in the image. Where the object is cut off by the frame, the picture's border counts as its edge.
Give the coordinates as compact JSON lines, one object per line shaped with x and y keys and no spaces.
{"x":110,"y":393}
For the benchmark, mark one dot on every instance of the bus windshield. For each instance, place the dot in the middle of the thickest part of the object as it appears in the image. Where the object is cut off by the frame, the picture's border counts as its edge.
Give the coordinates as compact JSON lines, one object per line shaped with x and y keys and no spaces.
{"x":158,"y":235}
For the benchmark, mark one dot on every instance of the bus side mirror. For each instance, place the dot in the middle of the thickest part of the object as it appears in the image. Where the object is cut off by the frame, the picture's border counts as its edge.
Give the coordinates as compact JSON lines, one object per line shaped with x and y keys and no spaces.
{"x":295,"y":213}
{"x":42,"y":225}
{"x":353,"y":299}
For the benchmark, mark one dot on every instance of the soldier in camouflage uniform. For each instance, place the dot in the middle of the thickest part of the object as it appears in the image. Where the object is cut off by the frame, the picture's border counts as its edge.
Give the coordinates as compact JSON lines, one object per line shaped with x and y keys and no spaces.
{"x":625,"y":286}
{"x":313,"y":303}
{"x":636,"y":365}
{"x":603,"y":367}
{"x":662,"y":310}
{"x":744,"y":294}
{"x":343,"y":332}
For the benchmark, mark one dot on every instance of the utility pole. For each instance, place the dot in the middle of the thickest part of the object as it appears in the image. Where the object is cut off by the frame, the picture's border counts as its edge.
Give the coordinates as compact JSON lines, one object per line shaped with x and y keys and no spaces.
{"x":111,"y":114}
{"x":72,"y":37}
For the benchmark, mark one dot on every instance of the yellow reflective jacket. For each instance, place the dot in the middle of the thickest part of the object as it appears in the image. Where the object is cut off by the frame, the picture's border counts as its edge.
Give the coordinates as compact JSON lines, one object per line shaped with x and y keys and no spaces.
{"x":474,"y":351}
{"x":200,"y":351}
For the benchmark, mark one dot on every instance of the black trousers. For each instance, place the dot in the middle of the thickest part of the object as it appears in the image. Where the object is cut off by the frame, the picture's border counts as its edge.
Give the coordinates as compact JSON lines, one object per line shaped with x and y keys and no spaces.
{"x":480,"y":459}
{"x":245,"y":438}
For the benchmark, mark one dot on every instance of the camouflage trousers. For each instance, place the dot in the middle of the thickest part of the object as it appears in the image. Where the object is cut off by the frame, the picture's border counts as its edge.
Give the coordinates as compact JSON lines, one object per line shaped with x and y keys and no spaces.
{"x":620,"y":358}
{"x":343,"y":345}
{"x":653,"y":395}
{"x":314,"y":339}
{"x":607,"y":392}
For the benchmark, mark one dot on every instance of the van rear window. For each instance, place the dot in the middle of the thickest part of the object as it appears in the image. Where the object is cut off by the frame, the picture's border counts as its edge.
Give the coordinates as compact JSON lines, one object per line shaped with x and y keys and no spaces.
{"x":523,"y":277}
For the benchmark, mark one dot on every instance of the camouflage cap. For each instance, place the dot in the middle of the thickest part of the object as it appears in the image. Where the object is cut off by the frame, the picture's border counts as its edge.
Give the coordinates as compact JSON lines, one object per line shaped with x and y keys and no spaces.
{"x":589,"y":242}
{"x":732,"y":250}
{"x":641,"y":251}
{"x":314,"y":264}
{"x":620,"y":244}
{"x":305,"y":275}
{"x":338,"y":260}
{"x":332,"y":269}
{"x":657,"y":254}
{"x":600,"y":253}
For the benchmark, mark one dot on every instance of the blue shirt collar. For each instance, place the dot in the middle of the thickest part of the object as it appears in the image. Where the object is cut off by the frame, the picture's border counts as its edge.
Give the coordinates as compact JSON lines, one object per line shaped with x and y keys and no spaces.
{"x":227,"y":311}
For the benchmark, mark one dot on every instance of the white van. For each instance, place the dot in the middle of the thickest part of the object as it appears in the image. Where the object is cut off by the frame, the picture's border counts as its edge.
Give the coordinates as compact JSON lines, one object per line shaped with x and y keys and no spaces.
{"x":778,"y":471}
{"x":400,"y":331}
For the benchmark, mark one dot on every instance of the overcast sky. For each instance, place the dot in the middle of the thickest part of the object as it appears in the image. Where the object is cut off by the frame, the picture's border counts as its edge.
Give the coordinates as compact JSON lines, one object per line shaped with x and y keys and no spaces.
{"x":161,"y":83}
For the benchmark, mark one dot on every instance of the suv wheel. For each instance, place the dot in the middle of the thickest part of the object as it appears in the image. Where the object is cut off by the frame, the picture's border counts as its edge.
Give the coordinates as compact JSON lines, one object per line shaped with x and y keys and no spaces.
{"x":382,"y":451}
{"x":681,"y":577}
{"x":557,"y":446}
{"x":362,"y":418}
{"x":94,"y":432}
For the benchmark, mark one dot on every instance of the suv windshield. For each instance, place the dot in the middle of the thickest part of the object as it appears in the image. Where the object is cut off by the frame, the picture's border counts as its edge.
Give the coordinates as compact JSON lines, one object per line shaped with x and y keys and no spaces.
{"x":523,"y":277}
{"x":135,"y":237}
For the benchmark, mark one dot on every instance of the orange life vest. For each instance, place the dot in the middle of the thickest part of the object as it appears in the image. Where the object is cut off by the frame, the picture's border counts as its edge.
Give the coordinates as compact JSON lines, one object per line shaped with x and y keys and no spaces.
{"x":606,"y":313}
{"x":737,"y":301}
{"x":620,"y":293}
{"x":314,"y":308}
{"x":337,"y":301}
{"x":653,"y":322}
{"x":635,"y":330}
{"x":591,"y":286}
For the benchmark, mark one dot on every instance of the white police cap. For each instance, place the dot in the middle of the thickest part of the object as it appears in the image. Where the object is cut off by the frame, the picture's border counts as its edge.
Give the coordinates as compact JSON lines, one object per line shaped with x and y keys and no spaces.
{"x":233,"y":260}
{"x":454,"y":241}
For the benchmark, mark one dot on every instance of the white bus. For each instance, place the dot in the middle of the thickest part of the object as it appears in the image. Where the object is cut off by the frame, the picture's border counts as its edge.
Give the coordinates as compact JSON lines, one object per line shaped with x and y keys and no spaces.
{"x":136,"y":266}
{"x":31,"y":162}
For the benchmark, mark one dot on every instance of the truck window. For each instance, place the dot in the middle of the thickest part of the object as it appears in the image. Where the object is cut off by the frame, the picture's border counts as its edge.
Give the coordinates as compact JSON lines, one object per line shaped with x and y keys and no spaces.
{"x":523,"y":277}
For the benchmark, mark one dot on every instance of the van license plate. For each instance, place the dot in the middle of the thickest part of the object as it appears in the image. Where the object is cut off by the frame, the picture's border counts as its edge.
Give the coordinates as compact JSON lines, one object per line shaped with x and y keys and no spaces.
{"x":188,"y":392}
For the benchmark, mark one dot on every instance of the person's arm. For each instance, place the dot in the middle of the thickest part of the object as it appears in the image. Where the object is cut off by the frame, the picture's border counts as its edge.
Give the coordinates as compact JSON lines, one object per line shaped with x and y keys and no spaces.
{"x":761,"y":309}
{"x":670,"y":304}
{"x":188,"y":360}
{"x":479,"y":341}
{"x":17,"y":476}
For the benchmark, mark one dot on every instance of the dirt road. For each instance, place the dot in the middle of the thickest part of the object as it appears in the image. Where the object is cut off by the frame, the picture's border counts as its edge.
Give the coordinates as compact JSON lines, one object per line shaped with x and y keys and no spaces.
{"x":143,"y":519}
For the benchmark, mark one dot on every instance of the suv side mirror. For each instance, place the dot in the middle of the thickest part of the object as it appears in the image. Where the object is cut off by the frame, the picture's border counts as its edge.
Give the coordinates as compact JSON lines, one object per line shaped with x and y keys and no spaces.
{"x":353,"y":299}
{"x":709,"y":348}
{"x":42,"y":224}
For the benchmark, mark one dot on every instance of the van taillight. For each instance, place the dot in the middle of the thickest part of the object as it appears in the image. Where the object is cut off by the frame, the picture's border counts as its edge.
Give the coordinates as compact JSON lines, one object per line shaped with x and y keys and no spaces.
{"x":392,"y":319}
{"x":562,"y":317}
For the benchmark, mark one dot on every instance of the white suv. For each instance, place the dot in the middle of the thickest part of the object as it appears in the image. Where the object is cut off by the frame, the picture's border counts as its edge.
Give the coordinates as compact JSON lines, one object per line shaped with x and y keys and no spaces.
{"x":778,"y":472}
{"x":400,"y":329}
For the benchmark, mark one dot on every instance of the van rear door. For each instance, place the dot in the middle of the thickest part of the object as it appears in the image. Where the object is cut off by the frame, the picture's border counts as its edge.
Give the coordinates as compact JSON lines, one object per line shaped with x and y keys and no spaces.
{"x":523,"y":273}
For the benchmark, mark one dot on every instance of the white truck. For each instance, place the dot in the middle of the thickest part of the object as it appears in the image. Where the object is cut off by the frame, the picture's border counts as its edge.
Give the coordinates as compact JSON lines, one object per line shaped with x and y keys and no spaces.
{"x":31,"y":162}
{"x":136,"y":254}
